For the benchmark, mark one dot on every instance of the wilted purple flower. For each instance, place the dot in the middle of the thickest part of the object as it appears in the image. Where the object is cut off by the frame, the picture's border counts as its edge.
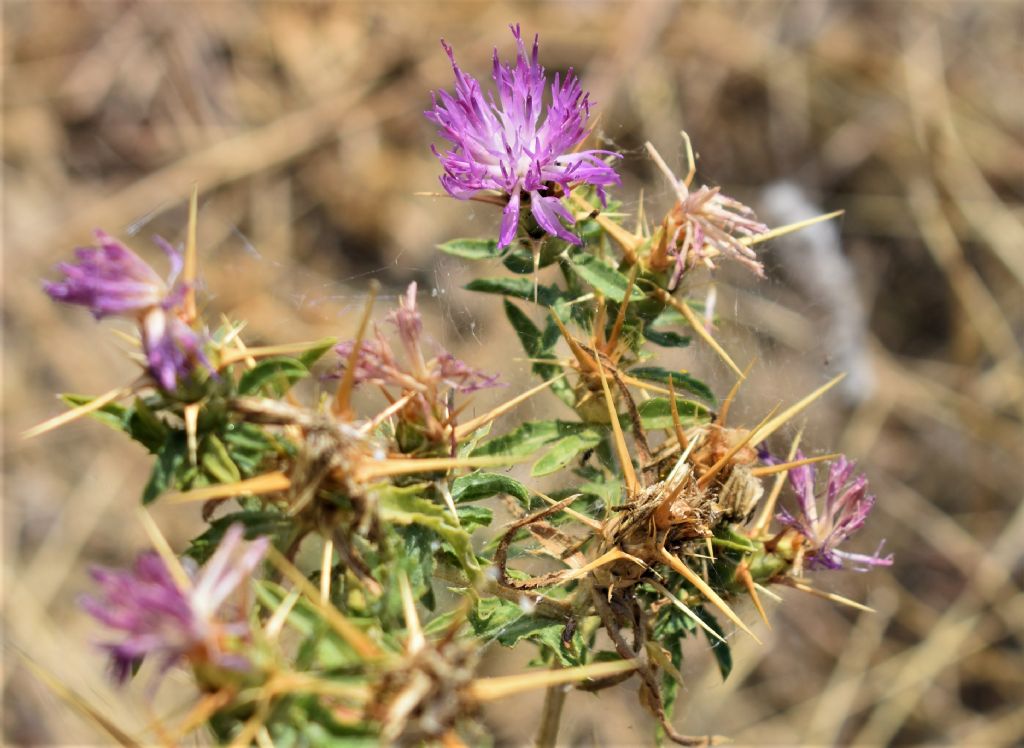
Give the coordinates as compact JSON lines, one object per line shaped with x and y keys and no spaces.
{"x":377,"y":362}
{"x":160,"y":618}
{"x":513,"y":145}
{"x":111,"y":280}
{"x":704,"y":220}
{"x":846,"y":507}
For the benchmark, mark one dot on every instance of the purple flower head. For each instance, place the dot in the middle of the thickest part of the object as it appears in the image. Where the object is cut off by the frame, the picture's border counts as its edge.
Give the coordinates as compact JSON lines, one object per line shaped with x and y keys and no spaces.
{"x":846,"y":507}
{"x":515,"y":146}
{"x":111,"y":280}
{"x":159,"y":618}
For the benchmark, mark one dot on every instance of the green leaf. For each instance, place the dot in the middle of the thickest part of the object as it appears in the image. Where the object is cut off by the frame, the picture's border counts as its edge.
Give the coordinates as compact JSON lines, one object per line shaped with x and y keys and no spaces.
{"x":477,"y":486}
{"x":472,"y":517}
{"x":679,"y":380}
{"x":312,"y":355}
{"x":519,"y":259}
{"x":145,"y":427}
{"x":564,"y":451}
{"x":216,"y":461}
{"x":277,"y":374}
{"x":505,"y":622}
{"x":331,"y":651}
{"x":112,"y":415}
{"x":520,"y":288}
{"x":723,"y":656}
{"x":249,"y":446}
{"x":656,"y":413}
{"x":603,"y":277}
{"x":405,"y":506}
{"x":256,"y":524}
{"x":472,"y":249}
{"x":529,"y":437}
{"x":166,"y":474}
{"x":666,"y":338}
{"x":540,"y":345}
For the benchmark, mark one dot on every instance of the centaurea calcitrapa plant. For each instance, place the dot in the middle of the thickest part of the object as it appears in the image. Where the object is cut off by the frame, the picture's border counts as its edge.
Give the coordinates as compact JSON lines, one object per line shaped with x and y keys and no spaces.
{"x":661,"y":522}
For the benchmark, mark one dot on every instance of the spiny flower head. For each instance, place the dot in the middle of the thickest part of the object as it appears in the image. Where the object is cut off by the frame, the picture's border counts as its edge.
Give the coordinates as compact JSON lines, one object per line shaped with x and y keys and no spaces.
{"x":514,"y":146}
{"x":846,"y":507}
{"x":111,"y":280}
{"x":159,"y":618}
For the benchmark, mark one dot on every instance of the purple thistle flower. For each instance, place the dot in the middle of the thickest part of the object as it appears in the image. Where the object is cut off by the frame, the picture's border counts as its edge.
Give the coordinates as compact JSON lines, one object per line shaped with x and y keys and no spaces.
{"x":111,"y":280}
{"x":846,"y":507}
{"x":161,"y":619}
{"x":513,"y":146}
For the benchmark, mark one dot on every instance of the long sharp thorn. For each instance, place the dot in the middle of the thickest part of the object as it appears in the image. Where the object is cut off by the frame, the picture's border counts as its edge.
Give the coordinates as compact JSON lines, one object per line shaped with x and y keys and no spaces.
{"x":600,"y":321}
{"x":467,"y":428}
{"x":593,"y":524}
{"x":785,"y":467}
{"x":705,"y":479}
{"x":347,"y":630}
{"x":326,"y":561}
{"x":83,"y":410}
{"x":748,"y":582}
{"x":191,"y":413}
{"x":698,"y":326}
{"x":628,"y":243}
{"x":620,"y":318}
{"x":773,"y":496}
{"x":271,"y":482}
{"x":464,"y":429}
{"x":788,"y":228}
{"x":245,"y":354}
{"x":723,"y":413}
{"x":677,"y":424}
{"x":586,"y":361}
{"x":489,"y":689}
{"x":373,"y":469}
{"x":163,"y":548}
{"x":833,"y":597}
{"x":763,"y":431}
{"x":632,"y":484}
{"x":190,"y":267}
{"x":80,"y":704}
{"x":342,"y":406}
{"x":705,"y":589}
{"x":685,"y":608}
{"x":416,"y":640}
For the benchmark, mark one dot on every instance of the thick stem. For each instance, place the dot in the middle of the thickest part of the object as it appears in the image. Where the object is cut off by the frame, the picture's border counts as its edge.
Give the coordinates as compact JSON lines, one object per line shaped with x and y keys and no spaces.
{"x":554,"y":700}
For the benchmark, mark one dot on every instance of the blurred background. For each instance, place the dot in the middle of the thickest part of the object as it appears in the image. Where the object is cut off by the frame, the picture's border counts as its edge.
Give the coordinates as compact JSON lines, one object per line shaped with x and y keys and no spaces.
{"x":302,"y":125}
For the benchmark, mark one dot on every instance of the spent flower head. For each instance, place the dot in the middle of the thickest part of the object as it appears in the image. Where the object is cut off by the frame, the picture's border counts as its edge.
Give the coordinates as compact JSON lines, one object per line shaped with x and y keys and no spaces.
{"x":825,"y":525}
{"x":111,"y":280}
{"x":515,"y":145}
{"x":159,"y":618}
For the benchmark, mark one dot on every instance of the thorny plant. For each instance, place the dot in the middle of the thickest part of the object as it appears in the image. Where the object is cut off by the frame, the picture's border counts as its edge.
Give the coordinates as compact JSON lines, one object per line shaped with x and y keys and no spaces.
{"x":660,"y":522}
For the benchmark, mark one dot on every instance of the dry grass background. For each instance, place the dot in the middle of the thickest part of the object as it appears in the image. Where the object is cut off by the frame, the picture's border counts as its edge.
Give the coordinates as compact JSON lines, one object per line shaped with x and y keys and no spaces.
{"x":302,"y":125}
